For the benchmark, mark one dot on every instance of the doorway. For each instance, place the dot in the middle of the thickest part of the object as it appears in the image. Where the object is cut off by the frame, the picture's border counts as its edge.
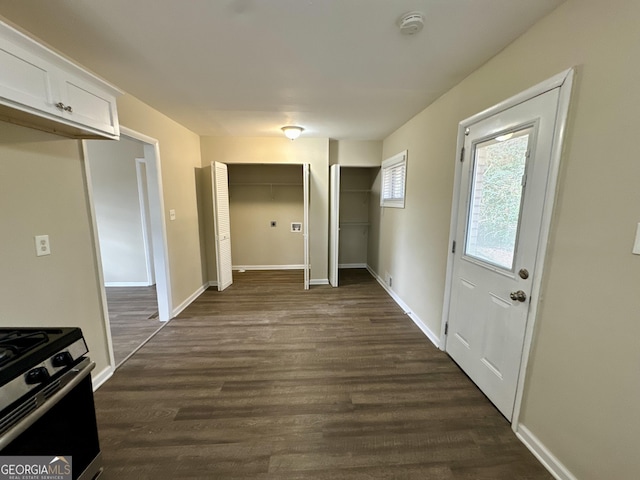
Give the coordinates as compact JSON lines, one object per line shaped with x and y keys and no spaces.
{"x":260,"y":219}
{"x":349,"y":212}
{"x":126,"y":202}
{"x":504,"y":193}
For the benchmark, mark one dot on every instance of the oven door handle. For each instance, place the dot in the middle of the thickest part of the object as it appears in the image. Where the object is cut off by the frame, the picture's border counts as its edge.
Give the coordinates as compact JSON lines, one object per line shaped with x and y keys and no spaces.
{"x":68,"y":382}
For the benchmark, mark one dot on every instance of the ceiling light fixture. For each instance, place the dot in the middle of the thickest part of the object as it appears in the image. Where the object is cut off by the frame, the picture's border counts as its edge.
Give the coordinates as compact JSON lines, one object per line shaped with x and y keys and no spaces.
{"x":292,"y":132}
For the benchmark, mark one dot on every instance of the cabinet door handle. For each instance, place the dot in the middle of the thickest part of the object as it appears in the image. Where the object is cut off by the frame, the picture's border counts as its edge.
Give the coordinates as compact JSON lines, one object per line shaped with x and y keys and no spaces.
{"x":62,"y":106}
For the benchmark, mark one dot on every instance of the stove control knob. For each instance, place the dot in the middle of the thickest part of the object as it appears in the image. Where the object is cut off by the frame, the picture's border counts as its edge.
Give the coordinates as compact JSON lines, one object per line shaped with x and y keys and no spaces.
{"x":37,"y":375}
{"x":62,"y":359}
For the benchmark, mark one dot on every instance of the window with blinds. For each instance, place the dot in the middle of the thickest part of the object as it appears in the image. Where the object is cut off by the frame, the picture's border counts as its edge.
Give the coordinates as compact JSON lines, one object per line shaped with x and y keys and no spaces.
{"x":394,"y":174}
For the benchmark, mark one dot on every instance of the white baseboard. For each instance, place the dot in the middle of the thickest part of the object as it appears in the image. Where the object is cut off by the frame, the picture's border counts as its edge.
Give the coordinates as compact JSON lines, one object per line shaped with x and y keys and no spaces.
{"x":188,"y":301}
{"x":98,"y":379}
{"x":417,"y":320}
{"x":268,"y":267}
{"x":128,"y":284}
{"x":352,"y":265}
{"x":212,"y":283}
{"x":550,"y":462}
{"x":313,"y":281}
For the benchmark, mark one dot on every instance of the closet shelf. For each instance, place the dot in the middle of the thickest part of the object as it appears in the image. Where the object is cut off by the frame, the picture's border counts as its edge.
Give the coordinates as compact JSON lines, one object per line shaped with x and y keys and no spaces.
{"x":354,"y":190}
{"x":354,"y":224}
{"x":265,"y":184}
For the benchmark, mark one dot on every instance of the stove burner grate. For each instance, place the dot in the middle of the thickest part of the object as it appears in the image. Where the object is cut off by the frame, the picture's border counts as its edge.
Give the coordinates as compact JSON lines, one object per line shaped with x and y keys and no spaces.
{"x":16,"y":344}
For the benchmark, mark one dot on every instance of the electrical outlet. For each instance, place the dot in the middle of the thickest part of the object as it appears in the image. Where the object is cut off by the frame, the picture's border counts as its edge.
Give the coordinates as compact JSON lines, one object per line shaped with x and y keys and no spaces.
{"x":42,"y":245}
{"x":172,"y":214}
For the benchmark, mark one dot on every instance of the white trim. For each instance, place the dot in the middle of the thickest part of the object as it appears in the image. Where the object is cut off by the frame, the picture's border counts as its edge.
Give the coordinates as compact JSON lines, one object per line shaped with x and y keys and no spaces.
{"x":127,"y":284}
{"x":563,"y":81}
{"x":97,"y":258}
{"x":319,"y":281}
{"x":306,"y":251}
{"x":161,"y":255}
{"x":269,"y":267}
{"x":417,"y":320}
{"x":98,"y":379}
{"x":159,"y":226}
{"x":212,"y":283}
{"x":556,"y":81}
{"x":545,"y":233}
{"x":199,"y":291}
{"x":146,"y":228}
{"x":543,"y":454}
{"x":334,"y":224}
{"x":352,"y":265}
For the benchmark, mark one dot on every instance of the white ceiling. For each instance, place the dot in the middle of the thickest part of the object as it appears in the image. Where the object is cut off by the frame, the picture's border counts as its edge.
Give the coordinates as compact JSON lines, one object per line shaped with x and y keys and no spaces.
{"x":339,"y":68}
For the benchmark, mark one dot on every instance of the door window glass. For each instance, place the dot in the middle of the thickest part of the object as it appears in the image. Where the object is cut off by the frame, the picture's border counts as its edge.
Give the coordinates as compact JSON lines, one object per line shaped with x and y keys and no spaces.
{"x":496,"y":198}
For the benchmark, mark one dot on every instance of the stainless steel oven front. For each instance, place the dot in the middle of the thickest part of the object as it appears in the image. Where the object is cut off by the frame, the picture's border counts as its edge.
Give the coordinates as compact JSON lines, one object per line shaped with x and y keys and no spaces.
{"x":58,"y":420}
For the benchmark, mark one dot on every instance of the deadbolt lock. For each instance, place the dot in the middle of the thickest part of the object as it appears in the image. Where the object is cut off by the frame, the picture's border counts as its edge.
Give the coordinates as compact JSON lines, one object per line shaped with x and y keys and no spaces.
{"x":520,"y":296}
{"x":524,"y":273}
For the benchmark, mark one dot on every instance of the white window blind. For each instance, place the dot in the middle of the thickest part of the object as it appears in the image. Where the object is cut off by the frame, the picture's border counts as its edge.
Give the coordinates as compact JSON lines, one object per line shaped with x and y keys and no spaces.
{"x":394,"y":174}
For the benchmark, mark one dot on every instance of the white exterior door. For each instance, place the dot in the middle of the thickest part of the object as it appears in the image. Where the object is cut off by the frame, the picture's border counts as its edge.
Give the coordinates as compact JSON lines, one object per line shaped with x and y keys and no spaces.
{"x":334,"y":223}
{"x":305,"y":226}
{"x":503,"y":181}
{"x":222,"y":224}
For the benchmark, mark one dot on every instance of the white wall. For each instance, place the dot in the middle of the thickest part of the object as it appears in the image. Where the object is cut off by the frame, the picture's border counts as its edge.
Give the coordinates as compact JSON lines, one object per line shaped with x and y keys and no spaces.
{"x":582,"y":390}
{"x":355,"y":153}
{"x":179,"y":150}
{"x":43,"y":192}
{"x":256,"y":150}
{"x":355,"y":200}
{"x":258,"y":195}
{"x":117,"y":209}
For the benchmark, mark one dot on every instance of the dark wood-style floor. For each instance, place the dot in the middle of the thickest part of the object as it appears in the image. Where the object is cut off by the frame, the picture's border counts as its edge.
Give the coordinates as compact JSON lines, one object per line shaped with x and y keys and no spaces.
{"x":133,"y":317}
{"x":268,"y":381}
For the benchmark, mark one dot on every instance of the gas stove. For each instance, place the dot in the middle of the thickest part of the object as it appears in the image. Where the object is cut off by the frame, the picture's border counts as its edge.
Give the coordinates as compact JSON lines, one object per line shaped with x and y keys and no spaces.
{"x":46,"y":399}
{"x":32,"y":358}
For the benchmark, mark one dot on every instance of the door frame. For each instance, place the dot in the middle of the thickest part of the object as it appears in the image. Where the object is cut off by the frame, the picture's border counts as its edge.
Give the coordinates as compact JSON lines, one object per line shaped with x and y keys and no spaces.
{"x":151,"y":150}
{"x":563,"y":81}
{"x":334,"y":223}
{"x":147,"y":231}
{"x":306,"y":192}
{"x":155,"y":192}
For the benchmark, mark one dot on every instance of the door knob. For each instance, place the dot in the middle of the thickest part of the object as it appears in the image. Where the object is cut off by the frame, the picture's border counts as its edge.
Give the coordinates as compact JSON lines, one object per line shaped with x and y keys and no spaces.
{"x":519,"y":296}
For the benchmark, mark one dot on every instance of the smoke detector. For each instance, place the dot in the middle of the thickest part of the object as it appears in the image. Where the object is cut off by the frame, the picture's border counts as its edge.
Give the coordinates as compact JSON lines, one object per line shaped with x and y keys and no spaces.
{"x":411,"y":23}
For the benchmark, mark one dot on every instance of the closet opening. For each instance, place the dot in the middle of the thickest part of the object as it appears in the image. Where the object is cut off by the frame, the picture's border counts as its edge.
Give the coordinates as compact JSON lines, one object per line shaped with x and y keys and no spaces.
{"x":267,"y":220}
{"x":354,"y":202}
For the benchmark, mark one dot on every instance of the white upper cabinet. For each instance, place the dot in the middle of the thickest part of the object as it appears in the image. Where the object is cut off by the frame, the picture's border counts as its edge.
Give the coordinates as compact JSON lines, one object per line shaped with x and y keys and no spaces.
{"x":41,"y":89}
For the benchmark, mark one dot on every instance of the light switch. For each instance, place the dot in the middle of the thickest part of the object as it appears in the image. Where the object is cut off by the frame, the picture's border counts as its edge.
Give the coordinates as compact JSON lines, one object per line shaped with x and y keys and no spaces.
{"x":636,"y":246}
{"x":42,"y":245}
{"x":172,"y":214}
